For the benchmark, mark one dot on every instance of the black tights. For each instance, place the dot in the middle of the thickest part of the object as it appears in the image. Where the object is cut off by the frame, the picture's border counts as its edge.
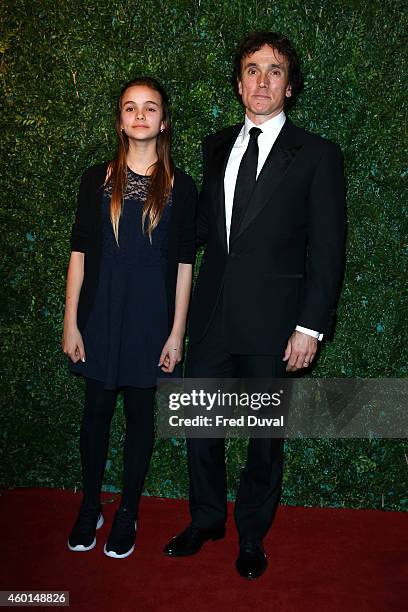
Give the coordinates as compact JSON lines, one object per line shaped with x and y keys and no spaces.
{"x":98,"y":410}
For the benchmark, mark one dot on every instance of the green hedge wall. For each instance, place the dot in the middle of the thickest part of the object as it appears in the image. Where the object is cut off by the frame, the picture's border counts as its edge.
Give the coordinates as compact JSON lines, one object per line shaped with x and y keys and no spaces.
{"x":62,"y":66}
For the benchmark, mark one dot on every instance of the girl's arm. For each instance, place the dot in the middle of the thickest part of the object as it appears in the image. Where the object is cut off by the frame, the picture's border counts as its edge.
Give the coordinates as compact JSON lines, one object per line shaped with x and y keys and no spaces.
{"x":72,"y":343}
{"x":172,"y":352}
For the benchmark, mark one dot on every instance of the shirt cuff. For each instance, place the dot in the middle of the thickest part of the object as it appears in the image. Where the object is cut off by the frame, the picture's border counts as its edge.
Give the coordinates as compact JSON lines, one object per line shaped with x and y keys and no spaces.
{"x":309,"y":332}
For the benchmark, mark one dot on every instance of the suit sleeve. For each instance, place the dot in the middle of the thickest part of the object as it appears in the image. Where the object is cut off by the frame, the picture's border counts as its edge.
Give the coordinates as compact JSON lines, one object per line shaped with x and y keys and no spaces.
{"x":187,"y":235}
{"x":82,"y":227}
{"x":202,"y":213}
{"x":326,"y":242}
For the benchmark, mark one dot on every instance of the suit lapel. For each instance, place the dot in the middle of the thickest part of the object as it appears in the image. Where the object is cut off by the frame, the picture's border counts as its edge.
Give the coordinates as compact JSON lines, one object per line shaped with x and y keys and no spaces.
{"x":220,"y":158}
{"x":274,"y":169}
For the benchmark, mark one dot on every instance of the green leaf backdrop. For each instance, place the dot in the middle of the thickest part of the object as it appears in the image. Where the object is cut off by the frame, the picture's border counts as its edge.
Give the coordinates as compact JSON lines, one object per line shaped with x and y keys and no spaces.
{"x":62,"y":66}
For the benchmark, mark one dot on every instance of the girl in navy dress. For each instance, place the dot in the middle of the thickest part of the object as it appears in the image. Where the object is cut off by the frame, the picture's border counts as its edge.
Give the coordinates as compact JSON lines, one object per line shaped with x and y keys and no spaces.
{"x":127,"y":295}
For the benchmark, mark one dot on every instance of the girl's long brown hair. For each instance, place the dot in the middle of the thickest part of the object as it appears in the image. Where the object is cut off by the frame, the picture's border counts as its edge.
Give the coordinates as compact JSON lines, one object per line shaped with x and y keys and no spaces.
{"x":161,"y":176}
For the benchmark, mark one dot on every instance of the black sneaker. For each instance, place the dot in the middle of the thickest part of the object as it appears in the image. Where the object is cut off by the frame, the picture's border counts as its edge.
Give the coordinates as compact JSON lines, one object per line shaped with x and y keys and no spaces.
{"x":82,"y":536}
{"x":121,"y":540}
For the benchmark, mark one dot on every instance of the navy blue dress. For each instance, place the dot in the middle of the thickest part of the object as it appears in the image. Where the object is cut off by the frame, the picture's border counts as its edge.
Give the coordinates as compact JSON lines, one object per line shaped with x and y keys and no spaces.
{"x":128,"y":324}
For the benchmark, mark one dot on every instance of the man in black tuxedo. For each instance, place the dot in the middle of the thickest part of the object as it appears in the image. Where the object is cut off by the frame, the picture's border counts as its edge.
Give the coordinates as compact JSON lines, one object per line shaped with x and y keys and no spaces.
{"x":272,"y":217}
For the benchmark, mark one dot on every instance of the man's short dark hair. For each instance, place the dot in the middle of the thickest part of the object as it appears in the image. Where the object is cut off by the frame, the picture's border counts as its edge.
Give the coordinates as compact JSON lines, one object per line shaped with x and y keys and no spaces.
{"x":253,"y":42}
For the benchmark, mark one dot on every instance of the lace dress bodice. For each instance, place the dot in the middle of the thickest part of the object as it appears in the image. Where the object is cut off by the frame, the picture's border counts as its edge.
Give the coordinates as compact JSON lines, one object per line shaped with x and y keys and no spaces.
{"x":134,"y":244}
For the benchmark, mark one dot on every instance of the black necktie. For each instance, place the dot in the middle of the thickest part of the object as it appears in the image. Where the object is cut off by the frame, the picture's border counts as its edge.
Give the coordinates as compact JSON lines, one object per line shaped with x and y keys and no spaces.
{"x":246,"y":180}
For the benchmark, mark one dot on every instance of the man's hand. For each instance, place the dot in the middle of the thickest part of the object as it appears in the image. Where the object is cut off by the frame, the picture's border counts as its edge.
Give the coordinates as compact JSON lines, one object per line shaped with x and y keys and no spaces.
{"x":300,"y":351}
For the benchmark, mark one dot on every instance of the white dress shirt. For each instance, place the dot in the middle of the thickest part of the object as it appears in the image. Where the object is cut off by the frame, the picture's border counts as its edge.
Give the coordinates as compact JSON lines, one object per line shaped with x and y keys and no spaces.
{"x":270,"y":131}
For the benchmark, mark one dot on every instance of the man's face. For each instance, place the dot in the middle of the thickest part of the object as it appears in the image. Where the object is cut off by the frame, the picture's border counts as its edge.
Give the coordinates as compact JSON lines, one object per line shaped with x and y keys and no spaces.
{"x":264,"y":83}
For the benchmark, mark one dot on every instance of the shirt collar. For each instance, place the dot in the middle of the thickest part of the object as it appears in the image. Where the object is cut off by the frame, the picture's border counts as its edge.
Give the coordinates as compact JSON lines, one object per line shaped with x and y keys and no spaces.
{"x":270,"y":128}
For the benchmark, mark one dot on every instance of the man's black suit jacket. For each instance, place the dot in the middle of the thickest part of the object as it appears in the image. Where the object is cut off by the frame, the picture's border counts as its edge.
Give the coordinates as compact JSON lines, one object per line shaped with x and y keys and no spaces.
{"x":285,"y":265}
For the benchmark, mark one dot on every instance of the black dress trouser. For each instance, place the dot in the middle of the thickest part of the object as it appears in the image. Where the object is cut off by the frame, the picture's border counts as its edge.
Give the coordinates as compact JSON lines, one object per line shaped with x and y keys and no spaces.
{"x":260,"y":485}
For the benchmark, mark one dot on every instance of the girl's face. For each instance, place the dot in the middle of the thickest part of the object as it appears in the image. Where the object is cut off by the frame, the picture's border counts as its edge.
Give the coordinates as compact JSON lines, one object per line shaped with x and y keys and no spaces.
{"x":141,"y":113}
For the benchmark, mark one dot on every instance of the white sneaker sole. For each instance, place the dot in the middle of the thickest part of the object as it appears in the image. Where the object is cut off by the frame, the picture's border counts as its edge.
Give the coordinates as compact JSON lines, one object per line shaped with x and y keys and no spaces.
{"x":81,"y":547}
{"x":113,"y":555}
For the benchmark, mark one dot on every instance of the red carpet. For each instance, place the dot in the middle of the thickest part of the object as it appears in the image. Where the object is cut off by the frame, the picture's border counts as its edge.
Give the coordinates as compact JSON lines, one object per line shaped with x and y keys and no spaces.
{"x":325,"y":560}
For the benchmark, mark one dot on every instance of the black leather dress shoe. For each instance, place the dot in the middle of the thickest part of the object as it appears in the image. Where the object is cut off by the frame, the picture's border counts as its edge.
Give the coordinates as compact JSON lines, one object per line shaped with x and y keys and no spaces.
{"x":251,"y":561}
{"x":189,"y":541}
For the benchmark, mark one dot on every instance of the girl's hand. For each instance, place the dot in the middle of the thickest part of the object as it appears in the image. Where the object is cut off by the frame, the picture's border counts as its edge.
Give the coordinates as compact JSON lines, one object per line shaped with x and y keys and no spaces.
{"x":72,"y":343}
{"x":172,"y":353}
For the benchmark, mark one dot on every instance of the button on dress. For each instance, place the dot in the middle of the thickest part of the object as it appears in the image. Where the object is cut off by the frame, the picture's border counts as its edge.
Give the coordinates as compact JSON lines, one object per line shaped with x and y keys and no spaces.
{"x":128,"y":323}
